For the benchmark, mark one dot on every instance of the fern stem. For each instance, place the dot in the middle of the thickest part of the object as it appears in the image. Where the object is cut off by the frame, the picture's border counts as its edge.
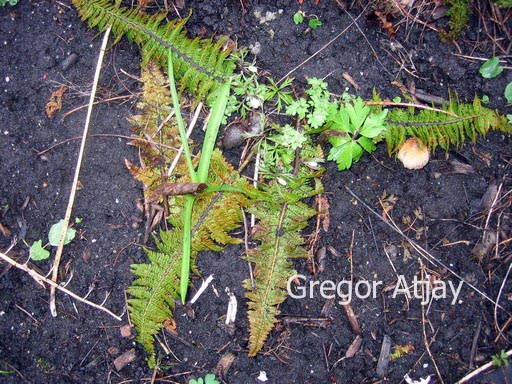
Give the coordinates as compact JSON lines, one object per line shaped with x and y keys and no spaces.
{"x":179,"y":120}
{"x":224,"y":188}
{"x":212,"y":129}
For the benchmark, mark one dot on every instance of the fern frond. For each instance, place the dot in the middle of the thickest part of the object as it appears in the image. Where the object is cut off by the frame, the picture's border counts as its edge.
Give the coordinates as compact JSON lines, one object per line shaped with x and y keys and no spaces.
{"x":155,"y":289}
{"x":435,"y":129}
{"x":158,"y":138}
{"x":200,"y":64}
{"x":282,"y":217}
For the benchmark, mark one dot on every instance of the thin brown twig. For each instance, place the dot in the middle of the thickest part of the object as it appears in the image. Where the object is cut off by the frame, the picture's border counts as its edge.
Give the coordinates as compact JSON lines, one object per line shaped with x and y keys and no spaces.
{"x":369,"y":44}
{"x":478,"y":371}
{"x":66,"y":114}
{"x":133,"y":138}
{"x":423,"y":324}
{"x":420,"y":106}
{"x":60,"y":247}
{"x":40,"y":279}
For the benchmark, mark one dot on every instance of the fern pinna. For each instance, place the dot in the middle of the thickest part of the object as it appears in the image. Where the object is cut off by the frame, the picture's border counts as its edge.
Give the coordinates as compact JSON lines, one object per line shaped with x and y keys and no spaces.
{"x":281,"y":218}
{"x":437,"y":129}
{"x":200,"y":64}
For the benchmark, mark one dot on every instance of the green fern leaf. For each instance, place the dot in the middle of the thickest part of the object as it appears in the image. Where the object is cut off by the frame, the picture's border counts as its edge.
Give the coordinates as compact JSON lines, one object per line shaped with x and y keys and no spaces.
{"x":200,"y":64}
{"x":154,"y":290}
{"x":282,"y":217}
{"x":437,"y":129}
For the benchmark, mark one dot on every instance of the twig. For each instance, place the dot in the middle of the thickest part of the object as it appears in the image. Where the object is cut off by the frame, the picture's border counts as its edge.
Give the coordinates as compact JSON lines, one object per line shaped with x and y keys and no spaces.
{"x":64,"y":115}
{"x":423,"y":326}
{"x":40,"y":279}
{"x":419,"y":106}
{"x":500,"y":333}
{"x":369,"y":44}
{"x":58,"y":254}
{"x":478,"y":371}
{"x":133,"y":138}
{"x":189,"y":132}
{"x":474,"y":345}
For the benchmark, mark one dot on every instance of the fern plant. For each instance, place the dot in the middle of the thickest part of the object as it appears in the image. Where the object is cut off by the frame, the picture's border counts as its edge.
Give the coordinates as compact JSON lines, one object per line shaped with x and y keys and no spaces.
{"x":158,"y":282}
{"x":437,"y":129}
{"x":200,"y":65}
{"x":282,"y":216}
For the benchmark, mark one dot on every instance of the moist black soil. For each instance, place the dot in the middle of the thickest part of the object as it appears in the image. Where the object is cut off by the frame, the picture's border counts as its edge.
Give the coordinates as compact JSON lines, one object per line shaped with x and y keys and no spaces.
{"x":442,"y":208}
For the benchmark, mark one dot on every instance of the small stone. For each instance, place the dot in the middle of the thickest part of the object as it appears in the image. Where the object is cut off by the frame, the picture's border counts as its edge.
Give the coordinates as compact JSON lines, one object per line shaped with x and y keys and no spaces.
{"x":233,"y":137}
{"x":69,"y":61}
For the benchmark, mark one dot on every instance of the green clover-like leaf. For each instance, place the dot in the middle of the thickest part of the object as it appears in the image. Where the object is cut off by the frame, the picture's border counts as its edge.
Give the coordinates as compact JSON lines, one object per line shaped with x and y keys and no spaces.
{"x":37,"y":252}
{"x":56,"y":230}
{"x":298,"y":18}
{"x":508,"y":93}
{"x":314,"y":23}
{"x":491,"y":68}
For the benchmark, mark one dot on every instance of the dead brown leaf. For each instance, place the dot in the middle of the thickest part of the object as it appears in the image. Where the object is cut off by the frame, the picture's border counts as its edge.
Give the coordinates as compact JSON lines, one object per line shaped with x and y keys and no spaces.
{"x":323,"y":211}
{"x":386,"y":24}
{"x":55,"y":102}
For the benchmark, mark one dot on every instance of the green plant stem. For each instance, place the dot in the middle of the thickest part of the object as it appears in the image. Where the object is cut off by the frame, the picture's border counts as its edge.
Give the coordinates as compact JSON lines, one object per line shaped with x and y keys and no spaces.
{"x":212,"y":129}
{"x":203,"y":168}
{"x":201,"y":176}
{"x":187,"y":243}
{"x":179,"y":119}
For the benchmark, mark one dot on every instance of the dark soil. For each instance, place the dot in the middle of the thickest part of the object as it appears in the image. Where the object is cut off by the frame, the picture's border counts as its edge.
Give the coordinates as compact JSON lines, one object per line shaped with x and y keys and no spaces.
{"x":81,"y":343}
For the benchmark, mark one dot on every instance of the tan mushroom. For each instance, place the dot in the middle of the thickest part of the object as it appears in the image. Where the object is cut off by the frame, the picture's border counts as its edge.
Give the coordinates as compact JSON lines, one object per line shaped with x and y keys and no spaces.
{"x":413,"y":154}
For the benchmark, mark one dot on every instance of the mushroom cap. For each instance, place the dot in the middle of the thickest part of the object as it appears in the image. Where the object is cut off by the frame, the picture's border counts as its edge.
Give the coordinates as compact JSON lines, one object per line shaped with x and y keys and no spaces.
{"x":413,"y":154}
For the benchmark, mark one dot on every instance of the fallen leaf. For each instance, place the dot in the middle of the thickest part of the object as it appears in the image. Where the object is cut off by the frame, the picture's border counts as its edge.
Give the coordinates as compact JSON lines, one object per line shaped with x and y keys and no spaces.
{"x":351,"y":80}
{"x":385,"y":24}
{"x":55,"y":102}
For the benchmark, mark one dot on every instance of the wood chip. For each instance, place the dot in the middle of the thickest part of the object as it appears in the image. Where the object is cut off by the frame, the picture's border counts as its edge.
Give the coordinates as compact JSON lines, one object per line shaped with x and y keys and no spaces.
{"x":126,"y":331}
{"x":384,"y":357}
{"x":352,"y":82}
{"x":352,"y":318}
{"x":224,"y":364}
{"x":354,"y":347}
{"x":125,"y":359}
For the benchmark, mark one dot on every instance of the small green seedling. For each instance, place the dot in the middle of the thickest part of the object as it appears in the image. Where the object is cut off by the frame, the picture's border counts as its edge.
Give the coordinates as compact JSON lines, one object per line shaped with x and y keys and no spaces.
{"x":485,"y":100}
{"x":491,"y":68}
{"x":314,"y":23}
{"x":208,"y":379}
{"x":12,"y":3}
{"x":298,"y":18}
{"x":508,"y":93}
{"x":500,"y":359}
{"x":37,"y":250}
